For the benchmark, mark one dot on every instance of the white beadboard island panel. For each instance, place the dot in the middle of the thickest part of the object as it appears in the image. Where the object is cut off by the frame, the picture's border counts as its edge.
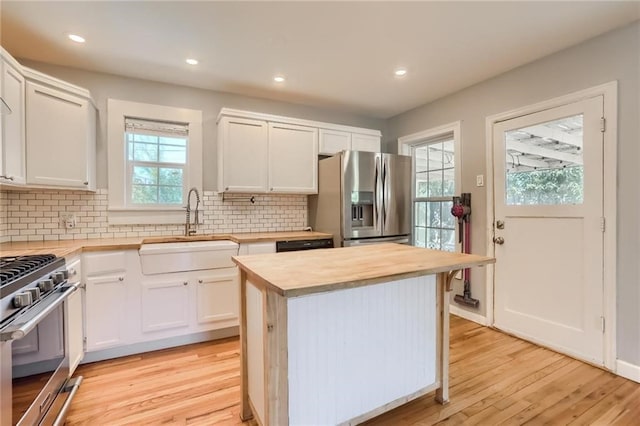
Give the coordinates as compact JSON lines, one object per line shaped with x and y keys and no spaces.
{"x":255,"y":350}
{"x":352,"y":351}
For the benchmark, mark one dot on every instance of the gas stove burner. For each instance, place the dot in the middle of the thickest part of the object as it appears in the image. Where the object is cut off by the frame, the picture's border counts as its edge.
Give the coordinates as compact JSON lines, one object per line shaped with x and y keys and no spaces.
{"x":14,"y":267}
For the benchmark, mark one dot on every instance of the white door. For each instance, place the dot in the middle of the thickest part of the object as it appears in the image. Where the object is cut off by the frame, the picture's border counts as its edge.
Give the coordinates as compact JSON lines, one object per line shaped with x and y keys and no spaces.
{"x":548,"y":177}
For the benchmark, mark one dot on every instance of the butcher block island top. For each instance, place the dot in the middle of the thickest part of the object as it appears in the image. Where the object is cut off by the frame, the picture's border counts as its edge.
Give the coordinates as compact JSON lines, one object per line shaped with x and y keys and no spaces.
{"x":298,"y":273}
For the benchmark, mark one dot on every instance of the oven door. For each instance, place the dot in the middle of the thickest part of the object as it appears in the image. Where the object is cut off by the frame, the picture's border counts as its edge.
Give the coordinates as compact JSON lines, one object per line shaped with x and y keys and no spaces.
{"x":39,"y":367}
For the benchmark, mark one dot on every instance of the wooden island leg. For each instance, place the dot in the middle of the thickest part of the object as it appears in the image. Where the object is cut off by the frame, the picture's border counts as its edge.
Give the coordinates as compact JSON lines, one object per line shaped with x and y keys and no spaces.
{"x":443,"y":284}
{"x":276,"y":361}
{"x":245,"y":408}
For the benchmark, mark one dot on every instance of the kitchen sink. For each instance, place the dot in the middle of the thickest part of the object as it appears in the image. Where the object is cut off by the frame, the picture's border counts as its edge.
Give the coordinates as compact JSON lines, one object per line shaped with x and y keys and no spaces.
{"x":161,"y":258}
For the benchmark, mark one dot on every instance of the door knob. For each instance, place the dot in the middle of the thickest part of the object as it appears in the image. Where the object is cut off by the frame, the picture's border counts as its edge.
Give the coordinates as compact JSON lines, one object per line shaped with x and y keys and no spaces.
{"x":498,"y":240}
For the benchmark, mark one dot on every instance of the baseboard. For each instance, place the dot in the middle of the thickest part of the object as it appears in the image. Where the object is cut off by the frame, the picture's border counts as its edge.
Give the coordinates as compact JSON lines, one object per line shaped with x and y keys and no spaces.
{"x":154,"y":345}
{"x":471,"y":316}
{"x":628,"y":370}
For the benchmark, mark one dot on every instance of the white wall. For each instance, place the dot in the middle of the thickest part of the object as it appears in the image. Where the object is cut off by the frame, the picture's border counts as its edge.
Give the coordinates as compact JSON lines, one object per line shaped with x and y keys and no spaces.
{"x":612,"y":56}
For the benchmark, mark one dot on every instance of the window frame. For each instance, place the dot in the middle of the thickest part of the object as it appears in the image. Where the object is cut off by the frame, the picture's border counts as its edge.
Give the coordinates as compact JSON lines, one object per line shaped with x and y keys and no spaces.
{"x":406,"y":146}
{"x":119,"y":210}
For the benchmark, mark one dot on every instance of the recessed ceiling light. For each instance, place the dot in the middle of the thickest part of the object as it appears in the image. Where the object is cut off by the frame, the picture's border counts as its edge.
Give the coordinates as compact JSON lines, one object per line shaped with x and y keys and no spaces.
{"x":192,"y":61}
{"x":278,"y":79}
{"x":76,"y":38}
{"x":400,"y":72}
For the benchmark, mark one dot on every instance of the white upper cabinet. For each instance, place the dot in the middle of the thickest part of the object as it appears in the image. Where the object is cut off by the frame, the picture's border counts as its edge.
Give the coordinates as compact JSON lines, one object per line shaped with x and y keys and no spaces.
{"x":242,"y":154}
{"x":333,"y":141}
{"x":61,"y":136}
{"x":263,"y":153}
{"x":12,"y":125}
{"x":293,"y":159}
{"x":360,"y":142}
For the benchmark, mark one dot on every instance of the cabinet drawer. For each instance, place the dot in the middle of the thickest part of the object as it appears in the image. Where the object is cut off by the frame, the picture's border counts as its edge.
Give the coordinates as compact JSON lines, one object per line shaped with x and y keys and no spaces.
{"x":104,"y":263}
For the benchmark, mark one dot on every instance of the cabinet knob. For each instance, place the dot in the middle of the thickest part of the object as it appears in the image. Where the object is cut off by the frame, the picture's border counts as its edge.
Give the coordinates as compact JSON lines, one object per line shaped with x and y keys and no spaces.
{"x":185,"y":283}
{"x":120,"y":278}
{"x":85,"y":183}
{"x":200,"y":281}
{"x":226,"y":188}
{"x":270,"y":189}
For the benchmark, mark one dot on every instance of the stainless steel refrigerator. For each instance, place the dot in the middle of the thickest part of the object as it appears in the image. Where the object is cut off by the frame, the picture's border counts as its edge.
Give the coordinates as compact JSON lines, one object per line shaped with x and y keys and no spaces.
{"x":363,"y":198}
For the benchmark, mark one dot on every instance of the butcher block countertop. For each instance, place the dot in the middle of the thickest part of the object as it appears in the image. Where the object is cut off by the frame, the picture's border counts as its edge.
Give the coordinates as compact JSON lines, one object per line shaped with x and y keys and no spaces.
{"x":64,"y":248}
{"x":299,"y":273}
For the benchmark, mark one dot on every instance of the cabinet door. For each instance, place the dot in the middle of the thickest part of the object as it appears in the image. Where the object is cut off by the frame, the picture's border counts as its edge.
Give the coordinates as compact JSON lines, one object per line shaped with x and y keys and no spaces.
{"x":75,"y":333}
{"x":257,"y":248}
{"x":74,"y":308}
{"x":365,"y":143}
{"x":105,"y":311}
{"x":293,"y":159}
{"x":217,"y":298}
{"x":12,"y":164}
{"x":165,"y":303}
{"x":57,"y":138}
{"x":243,"y":151}
{"x":333,"y":141}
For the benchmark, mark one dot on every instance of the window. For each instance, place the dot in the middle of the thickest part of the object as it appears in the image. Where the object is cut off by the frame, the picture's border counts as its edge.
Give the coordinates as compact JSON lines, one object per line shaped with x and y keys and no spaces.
{"x":155,"y":156}
{"x":544,"y":163}
{"x":435,"y":154}
{"x":156,"y":162}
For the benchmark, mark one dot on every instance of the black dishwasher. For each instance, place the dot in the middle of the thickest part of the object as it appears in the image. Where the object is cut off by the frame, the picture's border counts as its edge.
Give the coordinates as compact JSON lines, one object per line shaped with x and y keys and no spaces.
{"x":296,"y":245}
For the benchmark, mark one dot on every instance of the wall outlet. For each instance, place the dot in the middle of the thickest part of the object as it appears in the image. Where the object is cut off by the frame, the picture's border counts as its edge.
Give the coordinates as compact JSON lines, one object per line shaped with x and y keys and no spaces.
{"x":480,"y":180}
{"x":68,"y":221}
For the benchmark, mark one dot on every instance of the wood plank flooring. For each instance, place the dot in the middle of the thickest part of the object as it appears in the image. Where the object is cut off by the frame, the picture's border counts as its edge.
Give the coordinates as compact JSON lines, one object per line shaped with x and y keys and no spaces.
{"x":495,"y":379}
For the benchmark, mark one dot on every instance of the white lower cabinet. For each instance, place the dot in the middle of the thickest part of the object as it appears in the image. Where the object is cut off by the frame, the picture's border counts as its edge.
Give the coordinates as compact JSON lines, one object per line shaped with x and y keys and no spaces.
{"x":74,"y":317}
{"x":106,"y":313}
{"x":125,"y":307}
{"x":257,"y":248}
{"x":165,"y":303}
{"x":217,"y":299}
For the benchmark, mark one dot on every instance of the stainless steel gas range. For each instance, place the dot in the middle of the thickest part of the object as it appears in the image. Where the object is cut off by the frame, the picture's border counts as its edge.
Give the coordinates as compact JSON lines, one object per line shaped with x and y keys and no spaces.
{"x":35,"y":387}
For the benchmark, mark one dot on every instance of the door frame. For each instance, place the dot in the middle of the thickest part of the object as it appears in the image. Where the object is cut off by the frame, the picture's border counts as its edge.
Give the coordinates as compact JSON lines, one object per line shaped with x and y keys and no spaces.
{"x":609,"y":91}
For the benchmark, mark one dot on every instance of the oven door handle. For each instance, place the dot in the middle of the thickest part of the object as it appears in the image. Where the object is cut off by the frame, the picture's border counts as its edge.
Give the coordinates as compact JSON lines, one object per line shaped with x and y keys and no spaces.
{"x":18,"y":331}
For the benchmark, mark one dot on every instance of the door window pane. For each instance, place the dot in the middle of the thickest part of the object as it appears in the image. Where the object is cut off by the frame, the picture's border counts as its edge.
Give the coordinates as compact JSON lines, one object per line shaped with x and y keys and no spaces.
{"x":544,"y":163}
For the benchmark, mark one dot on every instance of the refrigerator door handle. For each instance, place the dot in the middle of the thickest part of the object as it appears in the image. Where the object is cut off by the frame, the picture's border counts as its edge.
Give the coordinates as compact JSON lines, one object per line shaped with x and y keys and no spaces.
{"x":377,"y":196}
{"x":385,"y":194}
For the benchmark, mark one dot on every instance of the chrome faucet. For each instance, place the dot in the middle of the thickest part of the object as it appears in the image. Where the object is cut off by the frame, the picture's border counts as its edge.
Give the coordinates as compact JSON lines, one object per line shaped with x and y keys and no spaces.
{"x":188,"y":230}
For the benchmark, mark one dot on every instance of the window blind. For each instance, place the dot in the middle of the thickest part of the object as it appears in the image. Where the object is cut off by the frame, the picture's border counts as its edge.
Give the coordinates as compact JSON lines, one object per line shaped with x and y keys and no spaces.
{"x":160,"y":128}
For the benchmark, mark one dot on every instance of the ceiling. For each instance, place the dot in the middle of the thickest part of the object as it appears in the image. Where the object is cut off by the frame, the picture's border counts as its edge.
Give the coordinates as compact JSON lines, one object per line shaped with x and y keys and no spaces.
{"x":339,"y":55}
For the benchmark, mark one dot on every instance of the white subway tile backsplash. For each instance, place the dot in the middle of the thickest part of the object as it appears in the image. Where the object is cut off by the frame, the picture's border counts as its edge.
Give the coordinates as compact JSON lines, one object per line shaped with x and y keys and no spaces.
{"x":35,"y":215}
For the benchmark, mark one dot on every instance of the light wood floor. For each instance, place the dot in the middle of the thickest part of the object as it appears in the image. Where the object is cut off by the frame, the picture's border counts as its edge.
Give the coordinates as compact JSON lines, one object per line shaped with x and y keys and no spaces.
{"x":495,"y":379}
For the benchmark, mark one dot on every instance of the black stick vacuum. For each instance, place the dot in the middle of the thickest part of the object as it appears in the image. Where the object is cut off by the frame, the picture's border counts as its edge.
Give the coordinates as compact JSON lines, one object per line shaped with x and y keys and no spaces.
{"x":462,"y":211}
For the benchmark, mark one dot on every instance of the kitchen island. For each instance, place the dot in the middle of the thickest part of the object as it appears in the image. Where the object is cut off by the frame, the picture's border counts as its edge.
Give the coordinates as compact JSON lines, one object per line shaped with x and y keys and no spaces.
{"x":338,"y":336}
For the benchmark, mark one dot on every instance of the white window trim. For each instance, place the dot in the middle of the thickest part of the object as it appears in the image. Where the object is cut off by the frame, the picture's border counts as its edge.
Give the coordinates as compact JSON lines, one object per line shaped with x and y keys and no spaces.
{"x":405,"y":143}
{"x":117,"y":110}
